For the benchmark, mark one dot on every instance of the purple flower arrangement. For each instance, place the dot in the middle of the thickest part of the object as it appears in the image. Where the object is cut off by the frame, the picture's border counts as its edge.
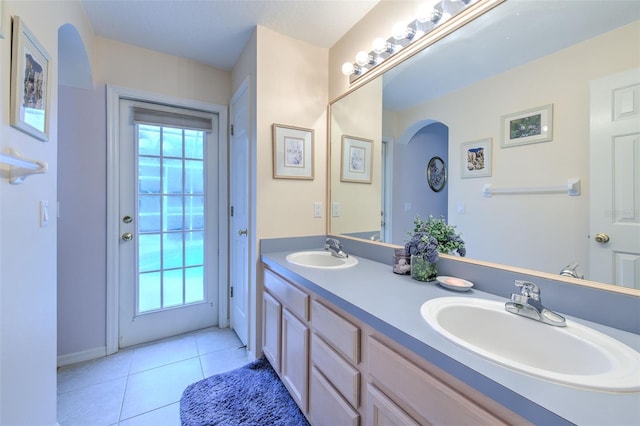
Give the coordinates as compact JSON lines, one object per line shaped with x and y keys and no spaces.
{"x":432,"y":236}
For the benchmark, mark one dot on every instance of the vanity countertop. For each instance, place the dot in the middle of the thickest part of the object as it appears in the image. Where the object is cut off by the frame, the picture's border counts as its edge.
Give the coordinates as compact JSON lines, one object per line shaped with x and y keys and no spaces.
{"x":390,"y":303}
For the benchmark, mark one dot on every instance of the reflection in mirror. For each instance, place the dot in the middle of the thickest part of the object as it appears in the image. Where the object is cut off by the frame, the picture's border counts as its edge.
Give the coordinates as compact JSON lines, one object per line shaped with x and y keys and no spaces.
{"x":521,"y":55}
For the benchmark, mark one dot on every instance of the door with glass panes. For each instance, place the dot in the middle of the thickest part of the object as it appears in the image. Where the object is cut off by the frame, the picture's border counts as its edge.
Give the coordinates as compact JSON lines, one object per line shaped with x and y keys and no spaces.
{"x":168,"y":221}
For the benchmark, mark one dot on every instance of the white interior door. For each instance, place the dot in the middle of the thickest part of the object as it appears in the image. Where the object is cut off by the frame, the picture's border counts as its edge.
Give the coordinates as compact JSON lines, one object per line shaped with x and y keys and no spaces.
{"x":614,"y":252}
{"x":239,"y":223}
{"x":168,"y":252}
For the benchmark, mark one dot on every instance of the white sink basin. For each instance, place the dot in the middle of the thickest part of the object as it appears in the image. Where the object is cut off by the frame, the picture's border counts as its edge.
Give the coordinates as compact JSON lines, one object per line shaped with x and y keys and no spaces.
{"x":320,"y":259}
{"x":575,"y":355}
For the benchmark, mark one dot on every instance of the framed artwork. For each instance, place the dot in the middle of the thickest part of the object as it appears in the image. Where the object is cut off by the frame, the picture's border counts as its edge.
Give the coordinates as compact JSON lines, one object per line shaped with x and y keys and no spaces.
{"x":29,"y":83}
{"x":292,"y":152}
{"x":476,"y":158}
{"x":531,"y":126}
{"x":436,"y":174}
{"x":356,"y":159}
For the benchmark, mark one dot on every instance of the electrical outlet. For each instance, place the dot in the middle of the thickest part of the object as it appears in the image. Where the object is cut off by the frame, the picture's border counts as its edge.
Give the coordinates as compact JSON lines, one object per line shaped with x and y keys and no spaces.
{"x":317,"y":209}
{"x":335,"y":209}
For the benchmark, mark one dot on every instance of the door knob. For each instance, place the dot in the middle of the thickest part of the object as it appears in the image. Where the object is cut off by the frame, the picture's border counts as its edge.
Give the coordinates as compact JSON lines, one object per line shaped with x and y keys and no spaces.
{"x":127,"y":236}
{"x":242,"y":232}
{"x":602,"y":238}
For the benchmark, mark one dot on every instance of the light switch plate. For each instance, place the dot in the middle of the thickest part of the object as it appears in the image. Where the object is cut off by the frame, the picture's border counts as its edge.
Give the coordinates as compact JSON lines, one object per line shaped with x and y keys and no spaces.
{"x":317,"y":209}
{"x":44,"y":213}
{"x":335,"y":209}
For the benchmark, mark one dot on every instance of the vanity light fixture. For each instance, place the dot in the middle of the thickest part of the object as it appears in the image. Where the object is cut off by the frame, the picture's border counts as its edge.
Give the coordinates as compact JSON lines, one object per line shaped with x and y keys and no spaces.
{"x":429,"y":14}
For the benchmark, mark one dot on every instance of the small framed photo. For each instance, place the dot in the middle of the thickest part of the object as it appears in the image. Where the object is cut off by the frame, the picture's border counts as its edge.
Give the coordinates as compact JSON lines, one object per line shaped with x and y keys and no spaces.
{"x":531,"y":126}
{"x":436,"y":174}
{"x":356,"y":159}
{"x":30,"y":78}
{"x":292,"y":152}
{"x":476,"y":158}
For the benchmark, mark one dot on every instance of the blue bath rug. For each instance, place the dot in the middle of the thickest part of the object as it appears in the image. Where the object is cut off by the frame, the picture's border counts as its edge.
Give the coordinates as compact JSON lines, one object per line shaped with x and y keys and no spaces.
{"x":252,"y":395}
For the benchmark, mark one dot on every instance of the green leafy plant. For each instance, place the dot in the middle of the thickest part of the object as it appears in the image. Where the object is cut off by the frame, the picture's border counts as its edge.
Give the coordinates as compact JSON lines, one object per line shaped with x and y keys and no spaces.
{"x":421,"y":241}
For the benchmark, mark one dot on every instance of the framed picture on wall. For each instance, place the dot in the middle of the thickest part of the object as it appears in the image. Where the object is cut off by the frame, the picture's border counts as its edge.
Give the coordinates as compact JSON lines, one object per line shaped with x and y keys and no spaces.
{"x":2,"y":18}
{"x":30,"y":76}
{"x":531,"y":126}
{"x":476,"y":158}
{"x":292,"y":152}
{"x":356,"y":159}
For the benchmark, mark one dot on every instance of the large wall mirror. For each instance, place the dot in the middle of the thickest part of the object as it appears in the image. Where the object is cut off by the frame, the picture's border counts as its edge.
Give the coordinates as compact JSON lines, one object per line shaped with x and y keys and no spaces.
{"x":522,"y":66}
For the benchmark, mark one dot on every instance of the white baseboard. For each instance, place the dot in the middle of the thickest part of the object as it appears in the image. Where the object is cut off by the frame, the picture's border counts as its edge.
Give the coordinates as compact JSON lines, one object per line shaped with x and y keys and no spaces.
{"x":81,"y":356}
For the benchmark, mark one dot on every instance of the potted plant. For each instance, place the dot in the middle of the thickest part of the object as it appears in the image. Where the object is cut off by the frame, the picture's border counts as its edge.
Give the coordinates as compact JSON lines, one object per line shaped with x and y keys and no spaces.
{"x":428,"y":239}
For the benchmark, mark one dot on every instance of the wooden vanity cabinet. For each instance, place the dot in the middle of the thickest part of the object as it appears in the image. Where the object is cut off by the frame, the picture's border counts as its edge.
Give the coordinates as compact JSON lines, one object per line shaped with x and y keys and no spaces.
{"x":334,"y":396}
{"x":285,"y":334}
{"x":340,"y":371}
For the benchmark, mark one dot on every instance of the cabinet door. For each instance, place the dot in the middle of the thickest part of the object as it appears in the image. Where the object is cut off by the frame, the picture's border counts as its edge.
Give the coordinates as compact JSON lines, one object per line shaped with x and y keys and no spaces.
{"x":381,"y":411}
{"x":271,"y":330}
{"x":295,"y":358}
{"x":328,"y":408}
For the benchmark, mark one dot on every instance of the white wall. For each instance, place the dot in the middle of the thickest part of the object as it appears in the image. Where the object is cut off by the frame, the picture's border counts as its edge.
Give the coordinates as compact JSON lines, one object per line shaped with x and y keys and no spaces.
{"x":28,"y":252}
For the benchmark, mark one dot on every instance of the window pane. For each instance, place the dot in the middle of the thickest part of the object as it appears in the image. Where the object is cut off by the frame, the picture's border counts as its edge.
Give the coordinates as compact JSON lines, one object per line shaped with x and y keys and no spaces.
{"x":148,"y":213}
{"x":172,"y":213}
{"x":149,"y":292}
{"x":194,"y":250}
{"x":172,"y":171}
{"x":194,"y":285}
{"x":171,"y":142}
{"x":194,"y":212}
{"x":148,"y":140}
{"x":172,"y":288}
{"x":148,"y":252}
{"x":148,"y":175}
{"x":194,"y":177}
{"x":172,"y":250}
{"x":193,"y":144}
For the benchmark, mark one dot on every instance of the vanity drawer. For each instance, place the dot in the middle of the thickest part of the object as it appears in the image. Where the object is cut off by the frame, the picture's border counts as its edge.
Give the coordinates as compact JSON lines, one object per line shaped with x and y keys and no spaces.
{"x":294,"y":299}
{"x":343,"y":336}
{"x":421,"y":393}
{"x":339,"y":372}
{"x":328,"y":408}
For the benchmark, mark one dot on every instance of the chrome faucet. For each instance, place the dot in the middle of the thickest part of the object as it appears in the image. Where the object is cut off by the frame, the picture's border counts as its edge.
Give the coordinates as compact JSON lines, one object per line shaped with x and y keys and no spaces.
{"x":571,"y":271}
{"x":528,"y":304}
{"x":335,"y":247}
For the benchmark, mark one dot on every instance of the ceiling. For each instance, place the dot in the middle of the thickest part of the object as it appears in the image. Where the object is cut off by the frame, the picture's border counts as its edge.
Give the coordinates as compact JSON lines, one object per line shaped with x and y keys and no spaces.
{"x":214,"y":32}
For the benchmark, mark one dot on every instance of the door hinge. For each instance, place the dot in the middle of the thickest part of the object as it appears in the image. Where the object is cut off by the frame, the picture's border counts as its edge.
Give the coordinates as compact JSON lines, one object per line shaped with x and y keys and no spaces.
{"x":231,"y":293}
{"x":231,"y":211}
{"x":232,"y":129}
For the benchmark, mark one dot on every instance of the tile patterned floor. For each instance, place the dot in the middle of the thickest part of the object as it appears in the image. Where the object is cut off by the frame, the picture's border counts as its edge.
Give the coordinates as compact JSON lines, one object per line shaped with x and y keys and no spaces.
{"x":142,"y":385}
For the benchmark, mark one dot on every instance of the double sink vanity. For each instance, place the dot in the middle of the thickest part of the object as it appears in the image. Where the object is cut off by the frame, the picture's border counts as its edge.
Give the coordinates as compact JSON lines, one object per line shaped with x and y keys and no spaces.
{"x":357,"y":344}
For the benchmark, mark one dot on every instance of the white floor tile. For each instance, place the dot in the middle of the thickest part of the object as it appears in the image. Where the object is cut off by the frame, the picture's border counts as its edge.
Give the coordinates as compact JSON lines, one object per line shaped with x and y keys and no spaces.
{"x":96,"y":405}
{"x":163,"y":353}
{"x":223,"y":361}
{"x":158,"y":387}
{"x":217,"y":339}
{"x":88,"y":373}
{"x":165,"y":416}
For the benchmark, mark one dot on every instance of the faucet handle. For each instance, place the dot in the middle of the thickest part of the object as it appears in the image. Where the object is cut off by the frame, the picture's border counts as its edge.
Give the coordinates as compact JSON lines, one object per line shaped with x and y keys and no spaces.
{"x":528,"y":289}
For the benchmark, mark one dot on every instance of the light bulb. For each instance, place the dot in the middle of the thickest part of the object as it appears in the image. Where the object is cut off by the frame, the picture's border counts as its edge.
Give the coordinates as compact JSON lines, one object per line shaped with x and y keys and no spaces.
{"x":399,"y":31}
{"x":380,"y":45}
{"x":363,"y":58}
{"x":347,"y":68}
{"x":426,"y":10}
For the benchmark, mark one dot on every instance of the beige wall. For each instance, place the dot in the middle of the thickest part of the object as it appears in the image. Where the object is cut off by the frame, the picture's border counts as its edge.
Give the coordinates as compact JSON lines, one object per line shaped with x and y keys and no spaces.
{"x":133,"y":67}
{"x":552,"y":230}
{"x":359,"y":115}
{"x":291,"y":90}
